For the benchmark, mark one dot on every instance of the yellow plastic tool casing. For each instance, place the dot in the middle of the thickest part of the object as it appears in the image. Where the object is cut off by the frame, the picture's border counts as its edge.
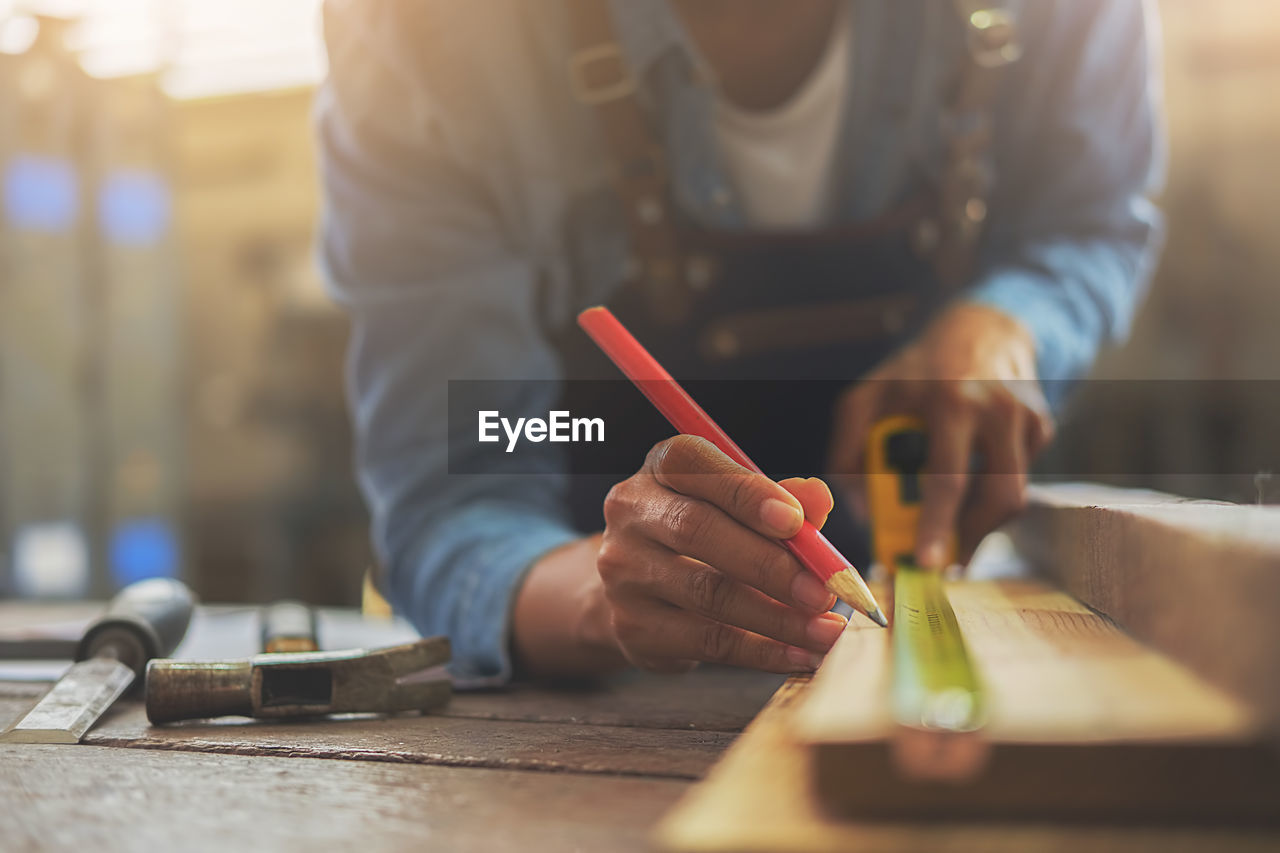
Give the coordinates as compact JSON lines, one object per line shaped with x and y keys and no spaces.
{"x":896,"y":453}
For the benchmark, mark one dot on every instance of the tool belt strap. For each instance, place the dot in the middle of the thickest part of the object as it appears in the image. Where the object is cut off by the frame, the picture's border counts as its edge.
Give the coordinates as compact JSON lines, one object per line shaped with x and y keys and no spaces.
{"x":991,"y":44}
{"x":602,"y":79}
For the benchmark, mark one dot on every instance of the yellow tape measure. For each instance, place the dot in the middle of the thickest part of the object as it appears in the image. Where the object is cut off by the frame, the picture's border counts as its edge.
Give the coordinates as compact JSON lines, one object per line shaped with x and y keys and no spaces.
{"x":935,"y":685}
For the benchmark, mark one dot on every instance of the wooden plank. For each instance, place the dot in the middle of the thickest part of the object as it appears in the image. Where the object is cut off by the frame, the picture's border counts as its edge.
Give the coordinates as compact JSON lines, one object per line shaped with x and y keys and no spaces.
{"x":712,"y":699}
{"x":438,"y":740}
{"x":1199,"y":581}
{"x":760,"y":798}
{"x":1084,"y":720}
{"x":1055,"y":672}
{"x":94,"y":798}
{"x":412,"y":739}
{"x":716,"y":699}
{"x":22,"y":692}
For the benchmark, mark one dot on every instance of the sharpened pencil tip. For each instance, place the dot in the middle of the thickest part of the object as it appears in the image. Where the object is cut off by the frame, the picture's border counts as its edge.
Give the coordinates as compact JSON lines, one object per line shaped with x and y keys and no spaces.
{"x":852,"y":590}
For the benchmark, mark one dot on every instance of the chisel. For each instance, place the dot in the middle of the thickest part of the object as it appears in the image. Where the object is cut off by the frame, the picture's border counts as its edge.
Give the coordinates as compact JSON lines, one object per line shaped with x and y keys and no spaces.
{"x":145,"y":620}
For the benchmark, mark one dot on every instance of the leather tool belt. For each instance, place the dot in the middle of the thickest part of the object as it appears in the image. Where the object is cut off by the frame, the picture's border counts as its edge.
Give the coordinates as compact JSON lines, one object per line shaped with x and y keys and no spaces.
{"x":680,"y":271}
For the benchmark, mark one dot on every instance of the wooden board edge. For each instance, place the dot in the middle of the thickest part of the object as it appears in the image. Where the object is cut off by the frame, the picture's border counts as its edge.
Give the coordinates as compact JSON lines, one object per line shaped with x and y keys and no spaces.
{"x":1200,"y":595}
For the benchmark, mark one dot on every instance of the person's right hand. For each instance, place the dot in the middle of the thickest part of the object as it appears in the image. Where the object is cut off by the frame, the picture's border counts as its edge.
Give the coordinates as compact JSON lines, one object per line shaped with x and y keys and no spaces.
{"x":692,"y":568}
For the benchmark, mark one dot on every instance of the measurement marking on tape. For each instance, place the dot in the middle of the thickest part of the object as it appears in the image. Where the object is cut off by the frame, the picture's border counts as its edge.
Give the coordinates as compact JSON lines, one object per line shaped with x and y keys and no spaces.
{"x":935,"y":684}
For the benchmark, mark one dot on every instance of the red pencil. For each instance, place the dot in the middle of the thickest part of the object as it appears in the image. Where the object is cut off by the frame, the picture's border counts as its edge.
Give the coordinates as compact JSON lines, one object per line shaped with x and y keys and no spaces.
{"x":809,"y":545}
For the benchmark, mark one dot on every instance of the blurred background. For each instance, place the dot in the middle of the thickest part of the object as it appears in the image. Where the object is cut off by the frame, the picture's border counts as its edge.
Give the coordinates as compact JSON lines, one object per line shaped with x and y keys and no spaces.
{"x":171,"y":398}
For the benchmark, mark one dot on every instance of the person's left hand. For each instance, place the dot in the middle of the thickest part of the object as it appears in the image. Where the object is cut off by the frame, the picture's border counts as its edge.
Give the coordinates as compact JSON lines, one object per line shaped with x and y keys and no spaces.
{"x":971,"y":376}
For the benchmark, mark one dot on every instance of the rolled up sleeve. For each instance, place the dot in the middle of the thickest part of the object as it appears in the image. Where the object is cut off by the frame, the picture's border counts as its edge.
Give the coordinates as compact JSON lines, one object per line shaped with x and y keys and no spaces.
{"x":1079,"y":153}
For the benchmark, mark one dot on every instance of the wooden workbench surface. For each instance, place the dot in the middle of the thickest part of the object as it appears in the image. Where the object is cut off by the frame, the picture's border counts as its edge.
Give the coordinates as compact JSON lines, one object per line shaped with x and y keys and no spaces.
{"x":533,"y":769}
{"x":585,"y":767}
{"x":105,"y":799}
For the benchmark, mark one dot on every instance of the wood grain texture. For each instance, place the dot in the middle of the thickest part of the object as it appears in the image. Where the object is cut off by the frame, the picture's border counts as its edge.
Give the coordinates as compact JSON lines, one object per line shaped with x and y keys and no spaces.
{"x":1055,"y":672}
{"x":636,"y":725}
{"x":82,"y":798}
{"x":433,"y":740}
{"x":618,"y":753}
{"x":714,"y":699}
{"x":410,"y":739}
{"x":1084,"y":721}
{"x":1199,"y":581}
{"x":760,"y":798}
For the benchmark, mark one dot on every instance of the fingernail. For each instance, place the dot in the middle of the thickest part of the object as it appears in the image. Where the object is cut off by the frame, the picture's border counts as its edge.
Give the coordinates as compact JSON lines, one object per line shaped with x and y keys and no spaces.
{"x":826,"y":629}
{"x":780,"y":517}
{"x":809,"y":592}
{"x":802,"y":659}
{"x":931,"y":556}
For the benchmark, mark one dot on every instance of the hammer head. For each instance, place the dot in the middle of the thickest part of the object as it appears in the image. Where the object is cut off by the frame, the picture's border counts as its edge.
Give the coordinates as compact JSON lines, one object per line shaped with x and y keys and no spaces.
{"x":407,"y":677}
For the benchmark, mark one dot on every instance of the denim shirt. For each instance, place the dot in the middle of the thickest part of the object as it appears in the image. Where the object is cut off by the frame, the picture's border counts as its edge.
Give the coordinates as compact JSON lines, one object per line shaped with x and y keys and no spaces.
{"x":468,"y":216}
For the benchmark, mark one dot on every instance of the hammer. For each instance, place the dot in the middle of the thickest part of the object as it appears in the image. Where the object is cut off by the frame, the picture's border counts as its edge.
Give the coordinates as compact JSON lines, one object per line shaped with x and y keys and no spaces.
{"x":301,"y":684}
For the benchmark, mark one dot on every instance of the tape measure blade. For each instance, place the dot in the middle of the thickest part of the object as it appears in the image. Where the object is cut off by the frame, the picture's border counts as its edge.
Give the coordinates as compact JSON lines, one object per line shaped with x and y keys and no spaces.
{"x":935,"y":684}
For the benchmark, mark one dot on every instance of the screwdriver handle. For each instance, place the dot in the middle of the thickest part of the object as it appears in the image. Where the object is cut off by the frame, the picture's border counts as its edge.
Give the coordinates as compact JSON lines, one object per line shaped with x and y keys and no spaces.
{"x":146,"y":619}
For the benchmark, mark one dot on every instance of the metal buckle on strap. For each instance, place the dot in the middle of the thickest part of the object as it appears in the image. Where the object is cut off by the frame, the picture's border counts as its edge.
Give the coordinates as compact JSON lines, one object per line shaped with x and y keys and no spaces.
{"x":584,"y":61}
{"x":991,"y":36}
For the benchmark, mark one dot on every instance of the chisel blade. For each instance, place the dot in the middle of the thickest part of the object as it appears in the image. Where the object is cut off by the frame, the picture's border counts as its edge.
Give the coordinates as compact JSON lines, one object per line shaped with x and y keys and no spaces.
{"x":74,"y":704}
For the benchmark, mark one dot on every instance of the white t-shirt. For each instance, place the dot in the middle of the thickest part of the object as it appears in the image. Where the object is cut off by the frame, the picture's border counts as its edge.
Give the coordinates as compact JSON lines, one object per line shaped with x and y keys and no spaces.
{"x":781,"y":160}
